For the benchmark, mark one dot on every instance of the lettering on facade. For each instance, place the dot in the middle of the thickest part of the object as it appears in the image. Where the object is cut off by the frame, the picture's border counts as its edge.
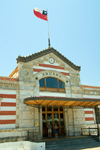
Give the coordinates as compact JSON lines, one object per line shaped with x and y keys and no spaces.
{"x":51,"y":74}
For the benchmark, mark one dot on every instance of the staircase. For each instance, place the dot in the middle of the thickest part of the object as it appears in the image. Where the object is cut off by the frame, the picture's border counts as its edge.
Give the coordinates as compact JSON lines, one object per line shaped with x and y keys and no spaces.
{"x":75,"y":143}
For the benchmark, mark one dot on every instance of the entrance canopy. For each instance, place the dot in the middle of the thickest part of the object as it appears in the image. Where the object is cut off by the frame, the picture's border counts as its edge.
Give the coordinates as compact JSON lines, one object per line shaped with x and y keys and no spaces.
{"x":61,"y":101}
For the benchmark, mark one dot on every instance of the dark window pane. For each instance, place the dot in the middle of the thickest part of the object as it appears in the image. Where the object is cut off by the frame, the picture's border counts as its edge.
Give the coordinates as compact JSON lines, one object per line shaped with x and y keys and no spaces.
{"x":97,"y":109}
{"x":61,"y":120}
{"x":43,"y":120}
{"x":56,"y":119}
{"x":49,"y":118}
{"x":51,"y":82}
{"x":42,"y":82}
{"x":61,"y":108}
{"x":61,"y":84}
{"x":43,"y":108}
{"x":49,"y":108}
{"x":55,"y":108}
{"x":97,"y":115}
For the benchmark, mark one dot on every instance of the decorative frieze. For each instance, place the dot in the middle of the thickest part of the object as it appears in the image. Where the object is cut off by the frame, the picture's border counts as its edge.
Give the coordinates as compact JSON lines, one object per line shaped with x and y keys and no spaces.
{"x":9,"y":85}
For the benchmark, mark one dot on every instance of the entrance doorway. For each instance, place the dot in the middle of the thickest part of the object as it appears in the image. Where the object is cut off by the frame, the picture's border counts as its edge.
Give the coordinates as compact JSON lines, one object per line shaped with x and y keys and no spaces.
{"x":54,"y":115}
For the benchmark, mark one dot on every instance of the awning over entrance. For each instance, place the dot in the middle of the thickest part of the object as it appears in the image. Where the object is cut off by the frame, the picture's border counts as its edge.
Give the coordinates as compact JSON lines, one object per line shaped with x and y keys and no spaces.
{"x":61,"y":101}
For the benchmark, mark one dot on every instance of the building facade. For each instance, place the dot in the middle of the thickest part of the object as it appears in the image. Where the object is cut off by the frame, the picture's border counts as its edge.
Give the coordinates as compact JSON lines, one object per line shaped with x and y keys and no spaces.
{"x":45,"y":87}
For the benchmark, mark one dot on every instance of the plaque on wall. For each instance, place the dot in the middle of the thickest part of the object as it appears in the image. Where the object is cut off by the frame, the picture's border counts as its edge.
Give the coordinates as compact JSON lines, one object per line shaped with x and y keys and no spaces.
{"x":75,"y":79}
{"x":36,"y":124}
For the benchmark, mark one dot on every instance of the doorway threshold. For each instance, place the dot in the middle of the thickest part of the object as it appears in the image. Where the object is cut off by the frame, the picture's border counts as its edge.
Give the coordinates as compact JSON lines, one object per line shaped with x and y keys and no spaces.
{"x":60,"y":138}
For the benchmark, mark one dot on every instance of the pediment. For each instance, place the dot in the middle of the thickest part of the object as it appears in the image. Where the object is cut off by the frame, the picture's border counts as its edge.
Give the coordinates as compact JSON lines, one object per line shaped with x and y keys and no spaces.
{"x":45,"y":52}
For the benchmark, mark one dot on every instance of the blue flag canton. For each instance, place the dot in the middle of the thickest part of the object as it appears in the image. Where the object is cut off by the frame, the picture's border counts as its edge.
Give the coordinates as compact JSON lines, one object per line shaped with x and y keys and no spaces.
{"x":44,"y":12}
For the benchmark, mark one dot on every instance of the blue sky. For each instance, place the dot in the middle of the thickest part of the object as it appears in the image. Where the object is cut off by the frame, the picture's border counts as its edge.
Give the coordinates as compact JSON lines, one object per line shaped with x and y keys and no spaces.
{"x":74,"y":27}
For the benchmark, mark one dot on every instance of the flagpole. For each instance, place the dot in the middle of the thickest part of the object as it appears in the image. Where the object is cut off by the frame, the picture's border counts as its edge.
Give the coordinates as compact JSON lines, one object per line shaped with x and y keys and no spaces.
{"x":48,"y":31}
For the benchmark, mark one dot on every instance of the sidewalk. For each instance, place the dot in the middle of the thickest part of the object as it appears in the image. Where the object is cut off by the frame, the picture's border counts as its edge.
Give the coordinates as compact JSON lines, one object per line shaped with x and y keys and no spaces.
{"x":97,"y":148}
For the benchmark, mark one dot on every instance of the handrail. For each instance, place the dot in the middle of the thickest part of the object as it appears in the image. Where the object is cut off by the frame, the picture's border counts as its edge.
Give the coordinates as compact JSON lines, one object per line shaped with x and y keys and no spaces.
{"x":34,"y":132}
{"x":89,"y":130}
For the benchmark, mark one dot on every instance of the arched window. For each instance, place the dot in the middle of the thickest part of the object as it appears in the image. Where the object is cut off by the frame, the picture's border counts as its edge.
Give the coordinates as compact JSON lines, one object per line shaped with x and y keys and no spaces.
{"x":51,"y":84}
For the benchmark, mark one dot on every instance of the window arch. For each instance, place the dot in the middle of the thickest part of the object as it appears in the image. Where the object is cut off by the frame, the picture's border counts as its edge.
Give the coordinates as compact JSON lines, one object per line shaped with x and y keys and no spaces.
{"x":51,"y":84}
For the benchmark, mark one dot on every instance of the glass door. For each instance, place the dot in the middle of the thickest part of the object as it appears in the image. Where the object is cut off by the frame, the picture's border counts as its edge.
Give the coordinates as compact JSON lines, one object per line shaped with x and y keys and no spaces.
{"x":54,"y":115}
{"x":56,"y":120}
{"x":61,"y":124}
{"x":44,"y":126}
{"x":49,"y":120}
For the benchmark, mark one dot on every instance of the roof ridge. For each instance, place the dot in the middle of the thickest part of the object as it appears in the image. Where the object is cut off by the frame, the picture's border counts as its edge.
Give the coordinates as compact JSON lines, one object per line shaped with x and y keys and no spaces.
{"x":44,"y":52}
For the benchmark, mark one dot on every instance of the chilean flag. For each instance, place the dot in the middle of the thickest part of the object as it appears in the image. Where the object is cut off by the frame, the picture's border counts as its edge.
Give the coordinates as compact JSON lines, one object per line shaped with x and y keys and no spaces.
{"x":40,"y":13}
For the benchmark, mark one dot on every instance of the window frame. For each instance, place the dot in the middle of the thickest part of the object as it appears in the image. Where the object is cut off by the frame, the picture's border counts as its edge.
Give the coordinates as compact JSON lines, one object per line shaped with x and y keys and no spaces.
{"x":62,"y":90}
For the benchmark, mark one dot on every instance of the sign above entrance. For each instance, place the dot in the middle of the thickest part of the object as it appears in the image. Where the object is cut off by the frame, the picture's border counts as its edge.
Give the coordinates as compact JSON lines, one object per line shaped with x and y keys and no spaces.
{"x":51,"y":74}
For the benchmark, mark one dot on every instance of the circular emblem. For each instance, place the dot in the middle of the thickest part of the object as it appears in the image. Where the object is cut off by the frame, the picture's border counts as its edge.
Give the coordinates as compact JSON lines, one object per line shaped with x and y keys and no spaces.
{"x":25,"y":72}
{"x":51,"y":60}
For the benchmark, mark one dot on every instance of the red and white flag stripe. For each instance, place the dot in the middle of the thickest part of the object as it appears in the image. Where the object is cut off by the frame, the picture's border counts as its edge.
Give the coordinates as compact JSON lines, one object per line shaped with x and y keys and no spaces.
{"x":42,"y":14}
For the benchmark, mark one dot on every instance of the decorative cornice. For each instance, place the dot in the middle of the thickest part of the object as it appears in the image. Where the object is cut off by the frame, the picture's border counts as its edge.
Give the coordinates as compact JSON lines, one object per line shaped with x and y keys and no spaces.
{"x":88,"y":86}
{"x":9,"y":79}
{"x":9,"y":83}
{"x":45,"y":52}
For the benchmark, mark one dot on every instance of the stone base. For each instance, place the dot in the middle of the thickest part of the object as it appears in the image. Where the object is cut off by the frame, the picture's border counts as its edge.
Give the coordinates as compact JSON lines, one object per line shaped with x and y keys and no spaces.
{"x":22,"y":145}
{"x":13,"y":139}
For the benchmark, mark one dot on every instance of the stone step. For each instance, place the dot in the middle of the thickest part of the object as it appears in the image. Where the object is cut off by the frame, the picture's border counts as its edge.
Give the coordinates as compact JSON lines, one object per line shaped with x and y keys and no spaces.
{"x":78,"y":147}
{"x":55,"y":141}
{"x":71,"y":142}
